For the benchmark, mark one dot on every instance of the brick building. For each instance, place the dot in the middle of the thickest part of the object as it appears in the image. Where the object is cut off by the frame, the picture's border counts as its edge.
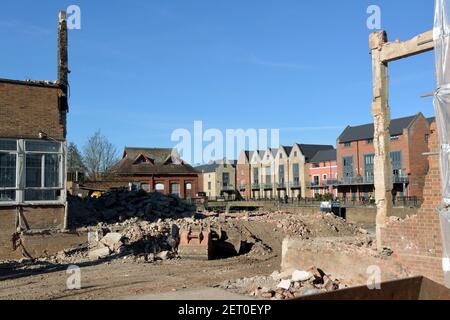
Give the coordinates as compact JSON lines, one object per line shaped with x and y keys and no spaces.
{"x":32,"y":154}
{"x":355,"y":158}
{"x":153,"y":170}
{"x":323,"y":173}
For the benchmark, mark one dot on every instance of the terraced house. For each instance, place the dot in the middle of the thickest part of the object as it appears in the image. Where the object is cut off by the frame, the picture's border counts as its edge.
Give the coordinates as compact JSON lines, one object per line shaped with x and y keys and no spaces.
{"x":218,"y":178}
{"x":408,"y":145}
{"x":277,"y":173}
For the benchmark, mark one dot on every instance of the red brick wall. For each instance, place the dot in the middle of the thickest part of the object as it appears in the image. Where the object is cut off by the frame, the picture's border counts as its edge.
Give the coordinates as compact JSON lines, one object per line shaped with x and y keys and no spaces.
{"x":417,"y":162}
{"x":27,"y":109}
{"x":416,"y":241}
{"x":243,"y":174}
{"x":33,"y":218}
{"x":152,"y":181}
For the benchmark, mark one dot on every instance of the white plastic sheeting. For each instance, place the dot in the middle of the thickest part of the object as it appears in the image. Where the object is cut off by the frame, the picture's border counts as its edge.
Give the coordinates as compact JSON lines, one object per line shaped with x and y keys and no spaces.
{"x":441,"y":33}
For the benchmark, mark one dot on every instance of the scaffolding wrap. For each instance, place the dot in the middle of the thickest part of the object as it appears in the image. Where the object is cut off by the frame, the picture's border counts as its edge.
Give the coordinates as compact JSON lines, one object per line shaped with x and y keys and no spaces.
{"x":441,"y":39}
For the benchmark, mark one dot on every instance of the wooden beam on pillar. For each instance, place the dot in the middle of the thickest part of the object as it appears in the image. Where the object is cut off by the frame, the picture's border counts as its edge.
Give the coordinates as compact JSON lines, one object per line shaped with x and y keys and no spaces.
{"x":392,"y":51}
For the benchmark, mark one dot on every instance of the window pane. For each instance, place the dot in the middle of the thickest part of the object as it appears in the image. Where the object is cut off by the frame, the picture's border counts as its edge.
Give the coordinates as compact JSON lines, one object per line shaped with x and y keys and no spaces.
{"x":7,"y":195}
{"x":33,"y":171}
{"x":7,"y":170}
{"x":8,"y":145}
{"x":42,"y":195}
{"x":51,"y":170}
{"x":42,"y":146}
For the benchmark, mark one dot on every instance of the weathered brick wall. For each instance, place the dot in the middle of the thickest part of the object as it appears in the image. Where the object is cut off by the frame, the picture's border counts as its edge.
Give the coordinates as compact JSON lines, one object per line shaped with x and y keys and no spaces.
{"x":416,"y":240}
{"x":243,"y":177}
{"x":33,"y":218}
{"x":27,"y":109}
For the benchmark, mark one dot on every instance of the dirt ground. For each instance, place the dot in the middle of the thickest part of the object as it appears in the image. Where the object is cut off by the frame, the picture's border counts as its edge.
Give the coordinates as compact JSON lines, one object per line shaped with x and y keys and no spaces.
{"x":130,"y":278}
{"x":127,"y":279}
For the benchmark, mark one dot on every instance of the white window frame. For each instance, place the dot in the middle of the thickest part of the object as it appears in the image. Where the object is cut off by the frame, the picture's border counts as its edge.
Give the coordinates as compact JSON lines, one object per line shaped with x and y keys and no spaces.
{"x":21,"y":174}
{"x":16,"y":188}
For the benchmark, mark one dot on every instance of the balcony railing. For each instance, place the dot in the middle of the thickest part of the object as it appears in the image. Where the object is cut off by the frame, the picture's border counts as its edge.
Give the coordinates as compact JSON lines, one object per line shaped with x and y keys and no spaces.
{"x":295,"y":184}
{"x":256,"y":186}
{"x":281,"y":185}
{"x":268,"y":185}
{"x":349,"y":181}
{"x":242,"y":187}
{"x":228,"y":188}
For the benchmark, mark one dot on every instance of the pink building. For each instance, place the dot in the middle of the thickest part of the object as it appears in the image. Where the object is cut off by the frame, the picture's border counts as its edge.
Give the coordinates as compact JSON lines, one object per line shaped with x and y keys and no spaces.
{"x":323,"y":173}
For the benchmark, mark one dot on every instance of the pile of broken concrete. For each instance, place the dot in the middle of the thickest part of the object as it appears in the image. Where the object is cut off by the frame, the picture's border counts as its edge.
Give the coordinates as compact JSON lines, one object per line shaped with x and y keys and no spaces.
{"x":120,"y":205}
{"x":285,"y":285}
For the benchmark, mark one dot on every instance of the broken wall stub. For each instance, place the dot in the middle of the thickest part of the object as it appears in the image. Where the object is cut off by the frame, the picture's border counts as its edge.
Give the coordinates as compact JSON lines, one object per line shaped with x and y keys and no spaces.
{"x":416,"y":241}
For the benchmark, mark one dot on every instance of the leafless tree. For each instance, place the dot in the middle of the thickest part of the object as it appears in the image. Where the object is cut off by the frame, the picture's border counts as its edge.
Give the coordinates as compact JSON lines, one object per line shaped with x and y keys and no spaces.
{"x":74,"y":158}
{"x":99,"y":157}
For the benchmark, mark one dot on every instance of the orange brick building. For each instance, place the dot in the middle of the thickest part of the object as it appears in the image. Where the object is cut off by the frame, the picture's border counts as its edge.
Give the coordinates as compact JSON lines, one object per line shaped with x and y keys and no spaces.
{"x":355,"y":158}
{"x":153,"y":170}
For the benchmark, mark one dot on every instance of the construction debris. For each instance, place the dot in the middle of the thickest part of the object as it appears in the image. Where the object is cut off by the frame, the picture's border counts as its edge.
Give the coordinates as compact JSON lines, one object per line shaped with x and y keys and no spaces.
{"x":120,"y":205}
{"x":291,"y":286}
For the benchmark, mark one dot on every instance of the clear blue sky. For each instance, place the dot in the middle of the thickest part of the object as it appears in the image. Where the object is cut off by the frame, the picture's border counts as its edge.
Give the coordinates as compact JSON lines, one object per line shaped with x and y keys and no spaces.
{"x":142,"y":68}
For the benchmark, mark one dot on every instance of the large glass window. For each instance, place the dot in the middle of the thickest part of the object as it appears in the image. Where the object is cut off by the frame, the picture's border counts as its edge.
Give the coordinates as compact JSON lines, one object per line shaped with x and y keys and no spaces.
{"x":256,"y":176}
{"x":8,"y":170}
{"x":43,"y":171}
{"x":30,"y":171}
{"x":281,"y":174}
{"x":296,"y":169}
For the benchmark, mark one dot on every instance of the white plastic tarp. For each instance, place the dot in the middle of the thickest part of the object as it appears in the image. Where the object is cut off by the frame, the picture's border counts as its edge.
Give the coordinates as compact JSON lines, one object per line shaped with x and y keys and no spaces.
{"x":441,"y":38}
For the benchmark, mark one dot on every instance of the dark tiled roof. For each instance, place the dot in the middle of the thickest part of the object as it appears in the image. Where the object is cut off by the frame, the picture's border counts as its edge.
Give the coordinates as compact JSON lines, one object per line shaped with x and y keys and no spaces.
{"x":310,"y":150}
{"x":366,"y":132}
{"x":288,"y":150}
{"x":212,"y":167}
{"x":160,"y":163}
{"x":158,"y":155}
{"x":324,"y":155}
{"x":207,"y":168}
{"x":431,"y":120}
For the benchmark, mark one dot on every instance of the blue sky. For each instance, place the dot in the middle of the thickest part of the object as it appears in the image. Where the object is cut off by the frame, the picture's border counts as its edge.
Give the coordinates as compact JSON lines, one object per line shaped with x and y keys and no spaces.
{"x":143,"y":68}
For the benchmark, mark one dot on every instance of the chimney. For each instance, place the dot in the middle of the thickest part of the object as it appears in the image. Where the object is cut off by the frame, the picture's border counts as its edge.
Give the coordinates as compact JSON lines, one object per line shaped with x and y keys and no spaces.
{"x":63,"y":59}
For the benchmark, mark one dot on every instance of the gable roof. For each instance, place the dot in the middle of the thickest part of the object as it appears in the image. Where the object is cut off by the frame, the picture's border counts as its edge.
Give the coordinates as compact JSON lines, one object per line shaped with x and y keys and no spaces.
{"x":207,"y":168}
{"x":325,"y":155}
{"x":310,"y":150}
{"x":158,"y":155}
{"x":288,"y":150}
{"x":160,"y":163}
{"x":366,"y":131}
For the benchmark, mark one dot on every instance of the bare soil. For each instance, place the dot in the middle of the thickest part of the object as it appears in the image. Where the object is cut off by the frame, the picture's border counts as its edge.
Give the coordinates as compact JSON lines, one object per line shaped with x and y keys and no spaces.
{"x":128,"y":277}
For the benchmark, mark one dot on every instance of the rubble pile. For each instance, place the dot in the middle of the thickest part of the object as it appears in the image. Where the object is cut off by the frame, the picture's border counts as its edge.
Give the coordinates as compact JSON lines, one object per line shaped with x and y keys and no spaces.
{"x":120,"y":205}
{"x":286,"y":285}
{"x":309,"y":226}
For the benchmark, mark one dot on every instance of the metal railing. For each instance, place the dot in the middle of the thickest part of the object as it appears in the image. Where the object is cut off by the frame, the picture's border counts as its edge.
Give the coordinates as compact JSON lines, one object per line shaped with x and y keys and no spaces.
{"x":347,"y":181}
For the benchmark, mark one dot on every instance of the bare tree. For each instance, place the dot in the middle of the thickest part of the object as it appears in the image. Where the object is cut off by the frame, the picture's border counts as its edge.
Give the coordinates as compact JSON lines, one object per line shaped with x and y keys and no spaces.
{"x":74,"y":158}
{"x":99,"y":156}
